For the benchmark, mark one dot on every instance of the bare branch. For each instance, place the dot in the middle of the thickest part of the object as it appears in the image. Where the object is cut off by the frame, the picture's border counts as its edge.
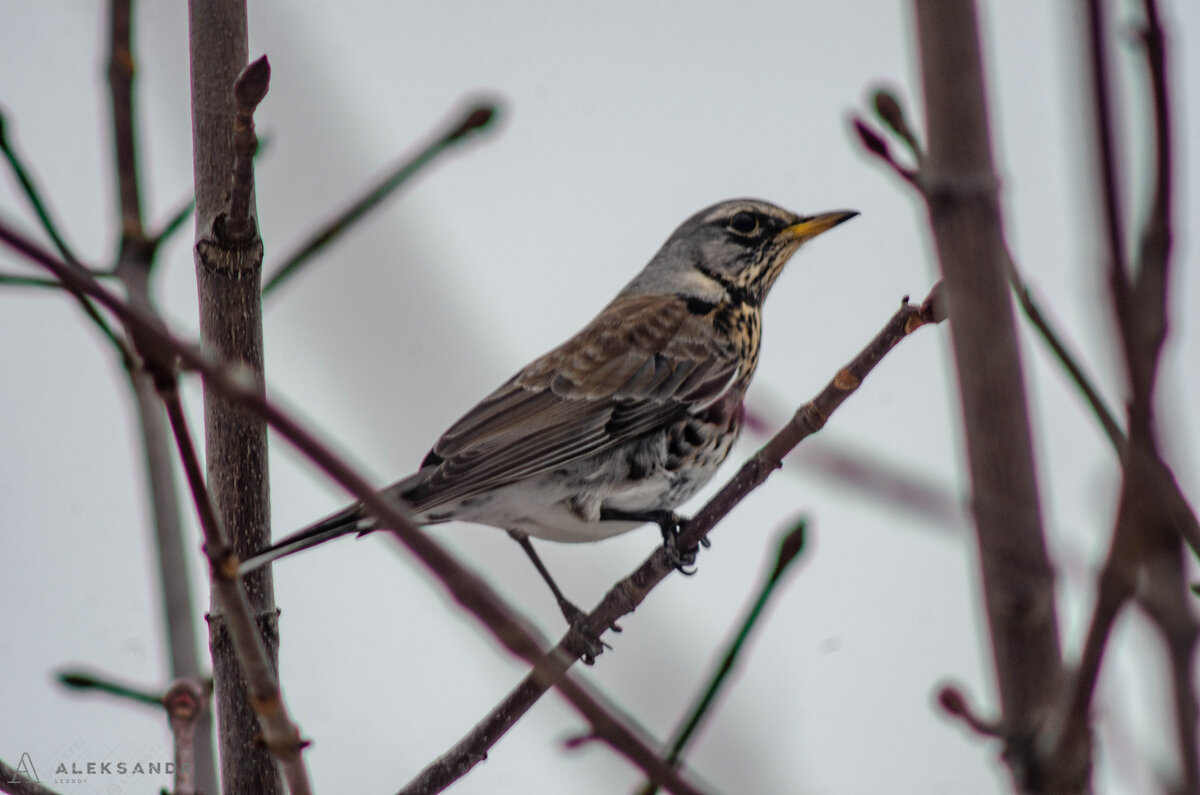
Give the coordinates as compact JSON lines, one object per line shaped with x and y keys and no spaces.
{"x":478,"y":117}
{"x":32,"y":194}
{"x":174,"y":222}
{"x":120,"y":82}
{"x":185,"y":701}
{"x":82,"y":680}
{"x":624,"y":597}
{"x":877,"y":145}
{"x":959,"y":184}
{"x":1145,"y":558}
{"x":228,"y":264}
{"x":1033,"y":312}
{"x":134,"y":265}
{"x":954,"y":702}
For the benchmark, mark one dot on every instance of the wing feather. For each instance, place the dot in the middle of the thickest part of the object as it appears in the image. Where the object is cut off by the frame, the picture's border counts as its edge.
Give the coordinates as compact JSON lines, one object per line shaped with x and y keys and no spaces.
{"x":643,"y":361}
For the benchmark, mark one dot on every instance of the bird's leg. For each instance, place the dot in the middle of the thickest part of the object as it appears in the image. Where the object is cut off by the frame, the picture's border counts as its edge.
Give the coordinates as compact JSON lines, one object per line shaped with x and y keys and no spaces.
{"x":670,"y":523}
{"x":576,"y":618}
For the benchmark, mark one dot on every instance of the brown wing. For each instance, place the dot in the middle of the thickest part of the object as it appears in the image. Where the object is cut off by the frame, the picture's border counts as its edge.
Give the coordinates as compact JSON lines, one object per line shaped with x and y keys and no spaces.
{"x":643,"y":361}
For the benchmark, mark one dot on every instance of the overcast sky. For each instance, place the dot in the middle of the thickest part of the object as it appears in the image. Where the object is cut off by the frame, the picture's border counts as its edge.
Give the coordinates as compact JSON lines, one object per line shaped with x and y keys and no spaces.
{"x":618,"y":122}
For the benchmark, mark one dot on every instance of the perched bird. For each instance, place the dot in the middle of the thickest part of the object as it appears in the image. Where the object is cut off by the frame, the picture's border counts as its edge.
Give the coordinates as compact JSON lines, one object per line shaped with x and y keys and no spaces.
{"x":625,"y":420}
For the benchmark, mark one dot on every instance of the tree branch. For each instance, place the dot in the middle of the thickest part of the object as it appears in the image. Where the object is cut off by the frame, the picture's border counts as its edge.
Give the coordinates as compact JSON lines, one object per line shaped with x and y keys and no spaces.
{"x":120,"y":82}
{"x":134,"y":266}
{"x":32,"y":194}
{"x":1145,"y":558}
{"x":228,"y":263}
{"x":959,"y":183}
{"x":624,"y":597}
{"x":82,"y":680}
{"x":478,"y":117}
{"x":185,"y":701}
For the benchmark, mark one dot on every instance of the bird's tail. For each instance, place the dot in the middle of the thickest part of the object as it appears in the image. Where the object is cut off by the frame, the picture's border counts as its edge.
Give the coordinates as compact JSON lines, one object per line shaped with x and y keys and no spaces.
{"x":344,"y":522}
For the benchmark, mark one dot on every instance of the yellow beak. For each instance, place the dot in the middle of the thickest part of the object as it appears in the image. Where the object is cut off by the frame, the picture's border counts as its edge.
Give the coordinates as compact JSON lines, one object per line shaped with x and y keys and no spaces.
{"x":813,"y":225}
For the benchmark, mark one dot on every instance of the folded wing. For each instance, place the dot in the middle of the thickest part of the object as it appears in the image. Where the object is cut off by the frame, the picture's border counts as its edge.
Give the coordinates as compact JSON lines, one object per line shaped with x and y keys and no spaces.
{"x":644,"y":361}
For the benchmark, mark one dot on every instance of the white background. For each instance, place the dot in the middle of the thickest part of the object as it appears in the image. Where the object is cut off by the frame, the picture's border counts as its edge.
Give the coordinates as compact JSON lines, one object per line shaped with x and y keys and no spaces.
{"x":619,"y":121}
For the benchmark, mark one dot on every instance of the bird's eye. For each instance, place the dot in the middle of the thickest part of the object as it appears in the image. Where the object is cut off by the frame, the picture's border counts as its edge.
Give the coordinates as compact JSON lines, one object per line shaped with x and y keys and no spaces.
{"x":743,"y":223}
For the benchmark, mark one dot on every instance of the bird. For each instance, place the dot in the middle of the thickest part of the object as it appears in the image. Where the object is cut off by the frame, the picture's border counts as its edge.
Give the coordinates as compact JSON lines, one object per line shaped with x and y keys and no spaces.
{"x":626,"y":420}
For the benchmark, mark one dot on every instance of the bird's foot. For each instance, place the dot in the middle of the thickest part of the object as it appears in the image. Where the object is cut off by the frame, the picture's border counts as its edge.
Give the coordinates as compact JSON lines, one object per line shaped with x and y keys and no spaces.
{"x":586,"y":643}
{"x":671,"y":524}
{"x":679,"y":559}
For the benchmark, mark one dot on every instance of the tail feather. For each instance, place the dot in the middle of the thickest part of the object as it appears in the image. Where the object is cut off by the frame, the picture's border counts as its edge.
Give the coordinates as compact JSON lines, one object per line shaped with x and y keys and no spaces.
{"x":344,"y":522}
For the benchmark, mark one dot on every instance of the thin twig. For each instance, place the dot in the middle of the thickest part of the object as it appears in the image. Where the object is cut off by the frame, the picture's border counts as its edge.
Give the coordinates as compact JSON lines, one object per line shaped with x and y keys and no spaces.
{"x":185,"y":701}
{"x":237,"y":383}
{"x":120,"y":82}
{"x":877,"y":145}
{"x":952,"y":700}
{"x":32,"y":194}
{"x":1033,"y":312}
{"x":14,"y":280}
{"x":82,"y":680}
{"x":476,"y":118}
{"x":87,"y":306}
{"x":174,"y":222}
{"x":889,"y":108}
{"x":787,"y":551}
{"x":624,"y":597}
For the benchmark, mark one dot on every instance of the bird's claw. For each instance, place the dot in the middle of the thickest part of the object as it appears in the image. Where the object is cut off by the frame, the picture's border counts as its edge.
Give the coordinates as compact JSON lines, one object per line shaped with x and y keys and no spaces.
{"x":678,"y":559}
{"x":587,"y":644}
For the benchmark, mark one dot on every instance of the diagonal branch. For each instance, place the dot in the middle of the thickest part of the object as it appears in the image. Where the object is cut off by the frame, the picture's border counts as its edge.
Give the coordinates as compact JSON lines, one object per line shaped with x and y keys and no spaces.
{"x":477,"y":118}
{"x":33,"y":195}
{"x":624,"y":597}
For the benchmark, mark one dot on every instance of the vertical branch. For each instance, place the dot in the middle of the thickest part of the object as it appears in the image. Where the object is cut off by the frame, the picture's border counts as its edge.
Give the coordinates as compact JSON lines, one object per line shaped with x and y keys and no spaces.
{"x":184,"y":702}
{"x":120,"y":83}
{"x":228,"y":272}
{"x":135,"y":262}
{"x":961,"y":188}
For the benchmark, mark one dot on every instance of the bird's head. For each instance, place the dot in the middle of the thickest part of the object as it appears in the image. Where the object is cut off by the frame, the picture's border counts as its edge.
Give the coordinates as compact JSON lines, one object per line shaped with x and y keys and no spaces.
{"x":733,"y":250}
